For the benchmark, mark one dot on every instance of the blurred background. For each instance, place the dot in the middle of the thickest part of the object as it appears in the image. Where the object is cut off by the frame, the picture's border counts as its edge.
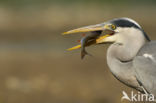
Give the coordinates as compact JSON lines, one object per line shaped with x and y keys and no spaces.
{"x":34,"y":64}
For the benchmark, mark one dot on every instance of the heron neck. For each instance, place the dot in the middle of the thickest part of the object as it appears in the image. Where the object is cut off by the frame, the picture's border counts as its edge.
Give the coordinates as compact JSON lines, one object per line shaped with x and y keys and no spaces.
{"x":127,"y":45}
{"x":120,"y":55}
{"x":119,"y":60}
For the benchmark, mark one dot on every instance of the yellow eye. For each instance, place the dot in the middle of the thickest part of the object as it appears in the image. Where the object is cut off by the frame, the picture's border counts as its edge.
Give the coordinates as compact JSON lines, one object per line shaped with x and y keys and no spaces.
{"x":113,"y":27}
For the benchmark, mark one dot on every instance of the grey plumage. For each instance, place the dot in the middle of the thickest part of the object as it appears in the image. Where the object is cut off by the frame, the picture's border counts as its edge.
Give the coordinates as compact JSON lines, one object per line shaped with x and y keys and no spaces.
{"x":134,"y":62}
{"x":145,"y":66}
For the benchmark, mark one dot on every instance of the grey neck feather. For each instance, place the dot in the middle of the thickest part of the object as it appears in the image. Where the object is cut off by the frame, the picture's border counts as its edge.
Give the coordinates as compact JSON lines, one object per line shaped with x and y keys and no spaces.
{"x":127,"y":45}
{"x":121,"y":53}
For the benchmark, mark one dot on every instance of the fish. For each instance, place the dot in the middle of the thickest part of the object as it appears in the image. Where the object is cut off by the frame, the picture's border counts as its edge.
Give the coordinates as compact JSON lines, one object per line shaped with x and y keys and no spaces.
{"x":86,"y":40}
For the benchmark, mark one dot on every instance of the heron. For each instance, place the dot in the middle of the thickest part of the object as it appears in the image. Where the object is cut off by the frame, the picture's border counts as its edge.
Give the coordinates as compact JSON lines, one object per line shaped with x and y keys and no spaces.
{"x":131,"y":55}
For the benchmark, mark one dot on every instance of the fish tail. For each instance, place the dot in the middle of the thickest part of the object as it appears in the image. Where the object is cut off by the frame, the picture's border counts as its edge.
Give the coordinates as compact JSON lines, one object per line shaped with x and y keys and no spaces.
{"x":83,"y":53}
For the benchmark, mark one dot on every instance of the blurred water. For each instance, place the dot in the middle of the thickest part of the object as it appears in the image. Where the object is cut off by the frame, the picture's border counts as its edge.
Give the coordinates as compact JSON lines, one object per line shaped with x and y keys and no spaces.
{"x":35,"y":66}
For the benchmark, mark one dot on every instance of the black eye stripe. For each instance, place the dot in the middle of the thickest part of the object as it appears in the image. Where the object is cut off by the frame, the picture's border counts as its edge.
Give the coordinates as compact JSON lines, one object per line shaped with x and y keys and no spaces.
{"x":127,"y":23}
{"x":124,"y":23}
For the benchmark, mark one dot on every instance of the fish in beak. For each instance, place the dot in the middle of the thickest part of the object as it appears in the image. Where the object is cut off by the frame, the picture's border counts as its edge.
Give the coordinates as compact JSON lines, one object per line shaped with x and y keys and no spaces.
{"x":88,"y":39}
{"x":94,"y":37}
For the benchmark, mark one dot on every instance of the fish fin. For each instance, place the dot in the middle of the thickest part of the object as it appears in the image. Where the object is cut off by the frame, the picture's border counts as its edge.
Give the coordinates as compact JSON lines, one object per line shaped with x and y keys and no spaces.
{"x":75,"y":47}
{"x":83,"y":35}
{"x":78,"y":41}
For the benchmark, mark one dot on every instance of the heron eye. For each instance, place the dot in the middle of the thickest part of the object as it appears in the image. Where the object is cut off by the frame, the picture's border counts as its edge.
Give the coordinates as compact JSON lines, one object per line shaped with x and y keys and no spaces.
{"x":113,"y":27}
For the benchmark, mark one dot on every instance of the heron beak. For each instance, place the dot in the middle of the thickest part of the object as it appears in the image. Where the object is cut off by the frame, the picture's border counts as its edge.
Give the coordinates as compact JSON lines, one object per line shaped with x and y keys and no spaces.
{"x":99,"y":27}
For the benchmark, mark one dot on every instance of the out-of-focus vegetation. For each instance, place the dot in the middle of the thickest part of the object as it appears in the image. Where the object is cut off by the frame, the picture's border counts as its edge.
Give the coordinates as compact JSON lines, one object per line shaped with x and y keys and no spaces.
{"x":34,"y":2}
{"x":34,"y":64}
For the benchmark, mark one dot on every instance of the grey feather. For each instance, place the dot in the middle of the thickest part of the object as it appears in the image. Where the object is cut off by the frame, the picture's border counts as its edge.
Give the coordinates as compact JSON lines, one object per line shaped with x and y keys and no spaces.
{"x":145,"y":66}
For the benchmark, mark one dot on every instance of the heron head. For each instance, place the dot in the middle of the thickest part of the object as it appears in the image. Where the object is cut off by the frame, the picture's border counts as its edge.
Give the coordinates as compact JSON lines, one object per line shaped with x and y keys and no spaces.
{"x":124,"y":29}
{"x":114,"y":31}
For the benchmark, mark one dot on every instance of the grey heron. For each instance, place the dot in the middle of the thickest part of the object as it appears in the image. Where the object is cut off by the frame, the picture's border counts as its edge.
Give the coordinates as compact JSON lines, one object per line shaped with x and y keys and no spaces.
{"x":131,"y":55}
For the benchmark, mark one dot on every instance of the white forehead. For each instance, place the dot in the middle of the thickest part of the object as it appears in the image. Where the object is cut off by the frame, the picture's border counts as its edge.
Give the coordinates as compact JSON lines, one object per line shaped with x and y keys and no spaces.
{"x":131,"y":20}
